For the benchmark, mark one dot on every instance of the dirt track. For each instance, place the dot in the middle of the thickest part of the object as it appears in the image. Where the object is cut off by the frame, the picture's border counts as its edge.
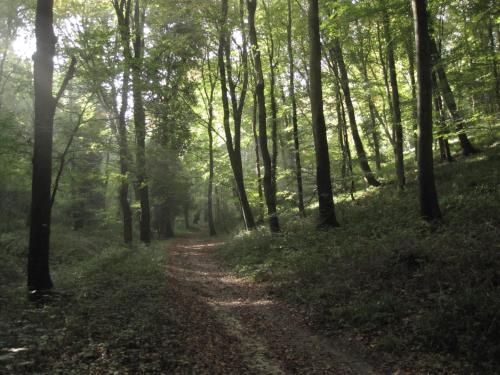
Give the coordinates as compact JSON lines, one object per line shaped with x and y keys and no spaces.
{"x":235,"y":327}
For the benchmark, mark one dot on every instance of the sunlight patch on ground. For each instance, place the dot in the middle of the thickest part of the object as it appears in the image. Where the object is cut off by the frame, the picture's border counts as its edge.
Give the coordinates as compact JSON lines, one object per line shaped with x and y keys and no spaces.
{"x":200,"y":246}
{"x":15,"y":350}
{"x":261,"y":302}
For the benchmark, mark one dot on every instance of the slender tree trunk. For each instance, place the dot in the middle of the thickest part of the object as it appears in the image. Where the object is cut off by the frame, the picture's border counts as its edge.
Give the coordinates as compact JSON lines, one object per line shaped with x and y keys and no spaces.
{"x":140,"y":128}
{"x":124,"y":158}
{"x":257,"y":159}
{"x":444,"y":145}
{"x":385,"y":75}
{"x":411,"y":71}
{"x":269,"y":189}
{"x":211,"y":223}
{"x":396,"y":114}
{"x":233,"y":150}
{"x":494,"y":62}
{"x":323,"y":177}
{"x":272,"y":95}
{"x":449,"y":100}
{"x":342,"y":128}
{"x":360,"y":150}
{"x":62,"y":158}
{"x":371,"y":107}
{"x":296,"y":145}
{"x":429,"y":207}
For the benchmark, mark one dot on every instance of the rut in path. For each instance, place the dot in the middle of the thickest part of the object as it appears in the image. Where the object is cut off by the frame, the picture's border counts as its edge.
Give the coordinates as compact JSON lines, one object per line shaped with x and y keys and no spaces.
{"x":265,"y":336}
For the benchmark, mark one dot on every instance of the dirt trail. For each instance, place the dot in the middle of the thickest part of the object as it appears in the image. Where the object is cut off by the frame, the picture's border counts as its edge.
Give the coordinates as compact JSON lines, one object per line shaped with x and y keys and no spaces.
{"x":255,"y":334}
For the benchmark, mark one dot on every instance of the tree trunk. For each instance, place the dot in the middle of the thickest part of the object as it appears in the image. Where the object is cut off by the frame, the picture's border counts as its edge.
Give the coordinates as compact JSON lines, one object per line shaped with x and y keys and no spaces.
{"x":429,"y":207}
{"x":323,"y":177}
{"x":38,"y":257}
{"x":140,"y":128}
{"x":211,"y":223}
{"x":411,"y":71}
{"x":360,"y":150}
{"x":296,"y":145}
{"x":257,"y":159}
{"x":444,"y":145}
{"x":122,"y":10}
{"x":396,"y":109}
{"x":124,"y":158}
{"x":342,"y":128}
{"x":494,"y":63}
{"x":269,"y":189}
{"x":233,"y":149}
{"x":449,"y":100}
{"x":371,"y":106}
{"x":272,"y":95}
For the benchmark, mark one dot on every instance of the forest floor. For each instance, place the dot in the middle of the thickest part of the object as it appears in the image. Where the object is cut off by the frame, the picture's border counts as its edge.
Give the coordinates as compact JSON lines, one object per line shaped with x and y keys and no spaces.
{"x":261,"y":335}
{"x":171,"y":308}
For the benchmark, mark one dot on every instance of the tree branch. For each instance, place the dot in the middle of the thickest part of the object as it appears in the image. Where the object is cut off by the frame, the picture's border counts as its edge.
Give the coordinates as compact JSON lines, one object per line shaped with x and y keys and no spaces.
{"x":70,"y":73}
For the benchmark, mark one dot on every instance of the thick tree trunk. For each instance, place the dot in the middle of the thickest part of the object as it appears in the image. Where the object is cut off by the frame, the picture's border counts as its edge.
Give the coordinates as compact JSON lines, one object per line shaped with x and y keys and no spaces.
{"x":323,"y":177}
{"x":269,"y":189}
{"x":38,"y":257}
{"x":429,"y":207}
{"x":234,"y":151}
{"x":396,"y":109}
{"x":360,"y":150}
{"x":140,"y":129}
{"x":449,"y":100}
{"x":122,"y":9}
{"x":296,"y":145}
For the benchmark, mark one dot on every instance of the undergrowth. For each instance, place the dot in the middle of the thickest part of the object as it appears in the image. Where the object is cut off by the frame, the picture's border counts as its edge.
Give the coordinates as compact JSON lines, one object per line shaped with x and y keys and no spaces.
{"x":426,"y":297}
{"x":101,"y":319}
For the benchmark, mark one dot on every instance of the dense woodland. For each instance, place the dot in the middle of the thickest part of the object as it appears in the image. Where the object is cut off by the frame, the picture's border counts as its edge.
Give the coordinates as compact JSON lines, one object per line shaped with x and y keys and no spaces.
{"x":346,"y":153}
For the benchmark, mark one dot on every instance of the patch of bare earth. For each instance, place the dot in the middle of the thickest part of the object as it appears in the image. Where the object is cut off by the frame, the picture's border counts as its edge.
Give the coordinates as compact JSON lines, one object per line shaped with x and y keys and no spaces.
{"x":253,"y":333}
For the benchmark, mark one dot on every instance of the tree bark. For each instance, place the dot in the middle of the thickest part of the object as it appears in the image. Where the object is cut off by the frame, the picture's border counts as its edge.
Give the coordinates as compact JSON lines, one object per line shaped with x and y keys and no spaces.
{"x":494,"y":62}
{"x":323,"y":177}
{"x":272,"y":96}
{"x":123,"y":9}
{"x":140,"y":128}
{"x":371,"y":106}
{"x":38,"y":258}
{"x":449,"y":101}
{"x":444,"y":145}
{"x":296,"y":144}
{"x":410,"y":52}
{"x":210,"y":99}
{"x":124,"y":158}
{"x":360,"y":150}
{"x":233,"y":149}
{"x":257,"y":159}
{"x":396,"y":109}
{"x":429,"y":207}
{"x":269,"y":189}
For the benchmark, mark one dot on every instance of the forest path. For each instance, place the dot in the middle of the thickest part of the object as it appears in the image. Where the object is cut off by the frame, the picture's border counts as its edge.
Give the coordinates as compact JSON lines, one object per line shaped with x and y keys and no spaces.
{"x":237,"y":325}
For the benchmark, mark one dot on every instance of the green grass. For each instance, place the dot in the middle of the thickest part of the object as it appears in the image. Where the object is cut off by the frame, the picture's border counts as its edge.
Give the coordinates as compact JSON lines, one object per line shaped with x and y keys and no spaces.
{"x":422,"y":296}
{"x":103,"y":317}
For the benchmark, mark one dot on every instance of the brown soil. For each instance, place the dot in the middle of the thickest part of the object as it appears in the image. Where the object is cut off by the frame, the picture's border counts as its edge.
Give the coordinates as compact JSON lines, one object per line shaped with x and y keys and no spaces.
{"x":235,"y":327}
